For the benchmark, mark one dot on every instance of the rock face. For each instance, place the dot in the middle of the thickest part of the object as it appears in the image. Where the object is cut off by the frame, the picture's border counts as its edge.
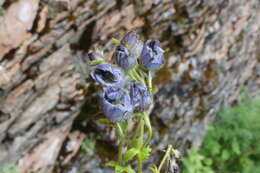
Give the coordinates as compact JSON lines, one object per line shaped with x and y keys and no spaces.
{"x":212,"y":49}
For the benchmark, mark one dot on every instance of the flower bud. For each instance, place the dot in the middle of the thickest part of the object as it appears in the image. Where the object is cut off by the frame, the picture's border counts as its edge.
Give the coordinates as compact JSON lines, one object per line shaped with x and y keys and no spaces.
{"x":107,"y":75}
{"x":140,"y":96}
{"x":124,"y":58}
{"x":152,"y":55}
{"x":131,"y":40}
{"x":95,"y":56}
{"x":116,"y":104}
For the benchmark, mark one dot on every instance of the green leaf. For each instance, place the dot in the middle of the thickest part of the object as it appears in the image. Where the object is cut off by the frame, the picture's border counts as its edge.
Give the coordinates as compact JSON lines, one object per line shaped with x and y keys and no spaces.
{"x":89,"y":146}
{"x":232,"y":141}
{"x":208,"y":161}
{"x":145,"y":153}
{"x":112,"y":164}
{"x":235,"y":146}
{"x":130,"y":154}
{"x":225,"y":155}
{"x":154,"y":169}
{"x":129,"y":169}
{"x":215,"y":147}
{"x":116,"y":41}
{"x":119,"y":168}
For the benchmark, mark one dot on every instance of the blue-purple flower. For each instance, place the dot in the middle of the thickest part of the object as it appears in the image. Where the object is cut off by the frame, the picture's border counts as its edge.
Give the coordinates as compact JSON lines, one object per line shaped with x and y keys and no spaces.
{"x":95,"y":56}
{"x":140,"y":96}
{"x":132,"y":41}
{"x":116,"y":104}
{"x":152,"y":55}
{"x":107,"y":75}
{"x":124,"y":58}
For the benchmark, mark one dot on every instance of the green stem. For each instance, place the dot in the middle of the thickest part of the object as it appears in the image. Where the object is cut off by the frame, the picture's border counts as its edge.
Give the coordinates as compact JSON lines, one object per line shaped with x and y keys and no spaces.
{"x":150,"y":81}
{"x":137,"y":131}
{"x":121,"y":144}
{"x":150,"y":131}
{"x":138,"y":77}
{"x":132,"y":75}
{"x":140,"y":145}
{"x":166,"y":155}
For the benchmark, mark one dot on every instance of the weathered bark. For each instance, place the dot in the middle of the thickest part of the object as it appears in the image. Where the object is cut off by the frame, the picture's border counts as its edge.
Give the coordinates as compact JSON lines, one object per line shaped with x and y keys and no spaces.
{"x":212,"y":49}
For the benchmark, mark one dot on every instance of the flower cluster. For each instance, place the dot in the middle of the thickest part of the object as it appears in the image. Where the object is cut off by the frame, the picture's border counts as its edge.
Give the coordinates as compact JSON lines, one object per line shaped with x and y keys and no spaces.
{"x":125,"y":85}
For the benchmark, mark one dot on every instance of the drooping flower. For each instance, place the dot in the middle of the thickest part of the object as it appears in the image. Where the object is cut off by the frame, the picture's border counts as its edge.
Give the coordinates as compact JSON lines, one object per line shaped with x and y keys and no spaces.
{"x":116,"y":104}
{"x":124,"y":58}
{"x":140,"y":96}
{"x":107,"y":75}
{"x":95,"y":56}
{"x":152,"y":55}
{"x":132,"y":41}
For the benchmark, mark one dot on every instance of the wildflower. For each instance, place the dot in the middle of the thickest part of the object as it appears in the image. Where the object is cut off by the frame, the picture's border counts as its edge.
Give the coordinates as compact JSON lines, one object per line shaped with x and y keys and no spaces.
{"x":152,"y":55}
{"x":95,"y":56}
{"x":117,"y":104}
{"x":132,"y":41}
{"x":140,"y":96}
{"x":124,"y":58}
{"x":107,"y":75}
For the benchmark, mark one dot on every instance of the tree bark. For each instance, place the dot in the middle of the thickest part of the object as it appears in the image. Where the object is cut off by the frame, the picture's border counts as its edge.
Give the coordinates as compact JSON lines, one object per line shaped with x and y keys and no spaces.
{"x":212,"y":48}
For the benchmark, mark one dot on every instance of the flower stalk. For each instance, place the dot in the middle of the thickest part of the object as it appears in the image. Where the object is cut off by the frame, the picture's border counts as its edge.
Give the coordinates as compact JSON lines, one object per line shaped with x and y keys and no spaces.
{"x":123,"y":96}
{"x":149,"y":127}
{"x":167,"y":155}
{"x":140,"y":144}
{"x":121,"y":143}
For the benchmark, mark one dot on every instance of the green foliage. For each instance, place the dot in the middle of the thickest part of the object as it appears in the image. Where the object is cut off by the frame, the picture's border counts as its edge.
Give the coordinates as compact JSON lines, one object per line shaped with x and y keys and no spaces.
{"x":144,"y":153}
{"x":154,"y":169}
{"x":89,"y":146}
{"x":130,"y":154}
{"x":196,"y":162}
{"x":9,"y":168}
{"x":2,"y":12}
{"x":116,"y":41}
{"x":232,"y":142}
{"x":119,"y":168}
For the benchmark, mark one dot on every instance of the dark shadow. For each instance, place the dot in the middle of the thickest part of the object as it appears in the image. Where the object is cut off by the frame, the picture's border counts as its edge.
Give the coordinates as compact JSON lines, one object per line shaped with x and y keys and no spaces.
{"x":85,"y":41}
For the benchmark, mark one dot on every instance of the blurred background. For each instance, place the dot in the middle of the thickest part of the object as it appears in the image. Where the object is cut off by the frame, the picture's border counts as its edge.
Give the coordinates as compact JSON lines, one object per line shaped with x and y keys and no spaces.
{"x":48,"y":123}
